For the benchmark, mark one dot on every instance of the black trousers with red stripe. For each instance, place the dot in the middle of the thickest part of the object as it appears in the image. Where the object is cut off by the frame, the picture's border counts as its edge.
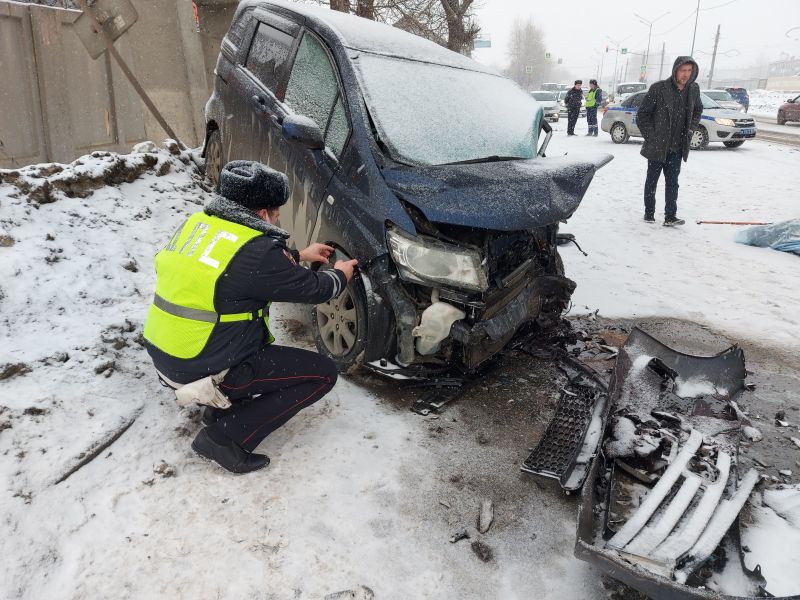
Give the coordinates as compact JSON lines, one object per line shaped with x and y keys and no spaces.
{"x":269,"y":388}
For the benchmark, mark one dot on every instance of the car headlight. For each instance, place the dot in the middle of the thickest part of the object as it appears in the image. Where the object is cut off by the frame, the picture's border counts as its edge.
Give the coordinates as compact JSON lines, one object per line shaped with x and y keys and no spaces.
{"x":424,"y":260}
{"x":725,"y":122}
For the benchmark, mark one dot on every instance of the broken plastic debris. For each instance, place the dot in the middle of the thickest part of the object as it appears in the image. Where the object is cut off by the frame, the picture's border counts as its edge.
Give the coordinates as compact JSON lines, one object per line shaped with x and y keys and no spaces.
{"x":486,"y":516}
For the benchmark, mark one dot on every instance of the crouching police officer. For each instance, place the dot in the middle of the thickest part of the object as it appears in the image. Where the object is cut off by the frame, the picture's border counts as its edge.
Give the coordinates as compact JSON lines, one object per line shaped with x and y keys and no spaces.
{"x":207,"y":330}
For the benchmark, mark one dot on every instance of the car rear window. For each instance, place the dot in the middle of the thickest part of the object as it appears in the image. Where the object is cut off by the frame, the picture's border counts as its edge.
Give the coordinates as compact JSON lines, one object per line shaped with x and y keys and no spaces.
{"x":268,"y":53}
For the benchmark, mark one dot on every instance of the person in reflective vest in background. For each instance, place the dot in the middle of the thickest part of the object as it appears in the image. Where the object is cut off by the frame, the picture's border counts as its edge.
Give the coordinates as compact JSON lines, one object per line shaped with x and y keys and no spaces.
{"x":207,"y":330}
{"x":594,"y":99}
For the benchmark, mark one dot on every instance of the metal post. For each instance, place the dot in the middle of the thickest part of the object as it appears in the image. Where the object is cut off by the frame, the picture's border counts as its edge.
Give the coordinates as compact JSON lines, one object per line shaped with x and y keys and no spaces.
{"x":694,"y":35}
{"x":661,"y":69}
{"x":98,"y":27}
{"x":614,"y":89}
{"x":713,"y":58}
{"x":647,"y":54}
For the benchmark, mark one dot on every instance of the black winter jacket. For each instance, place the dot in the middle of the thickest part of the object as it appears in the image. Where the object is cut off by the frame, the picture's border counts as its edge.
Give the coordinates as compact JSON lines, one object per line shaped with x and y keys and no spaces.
{"x":263,"y":270}
{"x":654,"y":117}
{"x":573,"y":99}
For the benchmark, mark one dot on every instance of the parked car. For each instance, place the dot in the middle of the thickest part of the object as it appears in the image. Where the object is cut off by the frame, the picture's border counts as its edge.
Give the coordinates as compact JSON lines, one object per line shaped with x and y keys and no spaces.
{"x":562,"y":107}
{"x":425,"y":165}
{"x":724,"y":99}
{"x":549,"y":102}
{"x":627,"y":89}
{"x":790,"y":111}
{"x":740,"y":95}
{"x":717,"y":124}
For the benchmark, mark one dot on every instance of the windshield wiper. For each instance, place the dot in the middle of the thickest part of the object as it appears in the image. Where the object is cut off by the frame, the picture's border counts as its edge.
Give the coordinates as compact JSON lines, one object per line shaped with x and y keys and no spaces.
{"x":485,"y":159}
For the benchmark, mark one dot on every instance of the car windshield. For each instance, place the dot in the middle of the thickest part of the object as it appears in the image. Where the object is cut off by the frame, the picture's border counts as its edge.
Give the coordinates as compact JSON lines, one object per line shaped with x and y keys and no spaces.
{"x":719,"y":95}
{"x":544,"y":96}
{"x":708,"y":102}
{"x":630,"y":88}
{"x":428,"y":114}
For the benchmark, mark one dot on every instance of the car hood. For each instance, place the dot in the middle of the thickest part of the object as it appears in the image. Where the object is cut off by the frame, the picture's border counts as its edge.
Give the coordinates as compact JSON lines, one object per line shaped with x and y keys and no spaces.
{"x":724,"y":113}
{"x":504,"y":196}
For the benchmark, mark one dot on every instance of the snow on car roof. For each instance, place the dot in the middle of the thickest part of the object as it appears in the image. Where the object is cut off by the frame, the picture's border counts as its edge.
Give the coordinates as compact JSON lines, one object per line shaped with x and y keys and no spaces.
{"x":362,"y":34}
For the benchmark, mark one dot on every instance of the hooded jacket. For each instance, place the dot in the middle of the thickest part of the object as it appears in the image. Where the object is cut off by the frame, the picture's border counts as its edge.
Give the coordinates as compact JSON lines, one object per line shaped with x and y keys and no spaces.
{"x":654,"y":117}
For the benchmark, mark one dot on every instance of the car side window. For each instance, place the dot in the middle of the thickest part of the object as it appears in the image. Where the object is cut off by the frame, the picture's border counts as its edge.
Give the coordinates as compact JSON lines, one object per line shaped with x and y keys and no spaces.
{"x":268,"y":52}
{"x":636,"y":100}
{"x":313,"y":91}
{"x":238,"y":28}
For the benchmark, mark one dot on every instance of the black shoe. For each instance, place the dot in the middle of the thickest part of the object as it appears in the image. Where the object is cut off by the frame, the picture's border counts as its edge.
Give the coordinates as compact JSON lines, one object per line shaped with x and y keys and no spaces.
{"x":649,"y":218}
{"x":227,"y":453}
{"x":673,"y":221}
{"x":570,"y":134}
{"x":210,"y":415}
{"x":588,"y":134}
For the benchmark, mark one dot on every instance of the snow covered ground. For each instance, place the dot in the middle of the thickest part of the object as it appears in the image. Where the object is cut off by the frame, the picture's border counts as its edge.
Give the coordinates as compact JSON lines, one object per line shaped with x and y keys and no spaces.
{"x":765,"y":103}
{"x":357,"y":494}
{"x":695,"y":272}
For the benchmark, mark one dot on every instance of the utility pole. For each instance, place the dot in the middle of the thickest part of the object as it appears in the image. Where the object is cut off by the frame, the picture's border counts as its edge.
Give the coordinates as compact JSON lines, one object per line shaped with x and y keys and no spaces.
{"x":661,"y":69}
{"x":713,"y":58}
{"x":649,"y":35}
{"x":694,"y":35}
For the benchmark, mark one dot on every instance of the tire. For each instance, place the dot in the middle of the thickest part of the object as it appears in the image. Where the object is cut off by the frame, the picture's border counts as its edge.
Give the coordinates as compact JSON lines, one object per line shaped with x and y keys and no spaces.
{"x":340,"y":326}
{"x":619,"y":133}
{"x":733,"y":144}
{"x":214,"y":159}
{"x":699,"y":139}
{"x":781,"y":119}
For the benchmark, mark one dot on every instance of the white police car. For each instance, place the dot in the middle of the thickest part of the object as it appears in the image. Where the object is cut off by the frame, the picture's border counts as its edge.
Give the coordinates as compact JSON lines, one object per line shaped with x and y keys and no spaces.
{"x":717,"y":124}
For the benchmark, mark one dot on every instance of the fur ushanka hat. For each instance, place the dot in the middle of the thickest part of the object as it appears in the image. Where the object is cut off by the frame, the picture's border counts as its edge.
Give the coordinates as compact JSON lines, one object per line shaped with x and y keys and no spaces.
{"x":253,"y":185}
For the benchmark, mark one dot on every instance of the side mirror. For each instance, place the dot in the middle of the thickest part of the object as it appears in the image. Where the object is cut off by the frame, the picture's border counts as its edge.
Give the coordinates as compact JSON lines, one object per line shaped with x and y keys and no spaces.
{"x":790,"y":100}
{"x":303,"y":130}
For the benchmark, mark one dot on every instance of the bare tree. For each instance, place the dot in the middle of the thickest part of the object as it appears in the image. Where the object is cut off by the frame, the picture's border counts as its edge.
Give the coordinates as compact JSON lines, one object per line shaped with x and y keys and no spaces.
{"x":526,"y":53}
{"x":449,"y":23}
{"x":340,"y":5}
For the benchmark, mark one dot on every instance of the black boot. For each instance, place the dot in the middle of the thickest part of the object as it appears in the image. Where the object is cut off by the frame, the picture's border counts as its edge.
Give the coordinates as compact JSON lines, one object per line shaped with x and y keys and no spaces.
{"x":673,"y":221}
{"x":210,"y":415}
{"x":226,"y":453}
{"x":649,"y":218}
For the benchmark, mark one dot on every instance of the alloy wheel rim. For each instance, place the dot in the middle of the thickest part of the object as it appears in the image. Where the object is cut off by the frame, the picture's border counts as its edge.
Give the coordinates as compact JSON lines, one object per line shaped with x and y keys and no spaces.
{"x":338,"y":323}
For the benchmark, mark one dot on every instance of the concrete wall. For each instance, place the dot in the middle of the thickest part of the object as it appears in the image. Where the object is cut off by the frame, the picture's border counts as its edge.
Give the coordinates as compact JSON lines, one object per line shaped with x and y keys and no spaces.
{"x":58,"y":103}
{"x":784,"y":84}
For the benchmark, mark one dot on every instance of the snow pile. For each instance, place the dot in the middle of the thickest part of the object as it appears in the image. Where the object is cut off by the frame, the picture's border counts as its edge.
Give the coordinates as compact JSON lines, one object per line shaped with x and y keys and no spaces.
{"x":765,"y":103}
{"x":772,"y":534}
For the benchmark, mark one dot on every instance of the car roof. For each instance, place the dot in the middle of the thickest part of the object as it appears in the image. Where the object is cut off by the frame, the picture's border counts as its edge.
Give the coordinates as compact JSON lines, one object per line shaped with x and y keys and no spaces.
{"x":357,"y":33}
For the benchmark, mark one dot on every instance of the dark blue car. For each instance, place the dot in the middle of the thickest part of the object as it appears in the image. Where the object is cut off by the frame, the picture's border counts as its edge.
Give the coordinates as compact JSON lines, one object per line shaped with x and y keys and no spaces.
{"x":425,"y":165}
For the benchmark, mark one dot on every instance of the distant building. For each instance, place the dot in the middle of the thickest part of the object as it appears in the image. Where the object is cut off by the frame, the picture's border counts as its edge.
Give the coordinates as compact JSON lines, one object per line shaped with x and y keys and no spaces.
{"x":784,"y":68}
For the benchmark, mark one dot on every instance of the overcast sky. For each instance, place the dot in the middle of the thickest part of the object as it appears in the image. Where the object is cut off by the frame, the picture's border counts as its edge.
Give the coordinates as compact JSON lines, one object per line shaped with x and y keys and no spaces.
{"x":578,"y":30}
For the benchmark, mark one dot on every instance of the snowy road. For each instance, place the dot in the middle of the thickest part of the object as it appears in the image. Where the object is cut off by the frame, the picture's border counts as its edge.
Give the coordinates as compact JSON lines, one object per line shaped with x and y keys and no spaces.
{"x":695,"y":272}
{"x":360,"y":491}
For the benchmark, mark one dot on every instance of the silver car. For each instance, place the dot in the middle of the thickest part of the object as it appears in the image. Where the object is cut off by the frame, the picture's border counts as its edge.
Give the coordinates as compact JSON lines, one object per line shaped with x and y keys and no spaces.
{"x":717,"y":124}
{"x":549,"y":102}
{"x":724,"y":99}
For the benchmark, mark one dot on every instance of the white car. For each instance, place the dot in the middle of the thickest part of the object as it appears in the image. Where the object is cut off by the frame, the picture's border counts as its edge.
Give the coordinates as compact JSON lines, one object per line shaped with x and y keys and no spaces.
{"x":717,"y":124}
{"x":724,"y":99}
{"x":549,"y":102}
{"x":562,"y":108}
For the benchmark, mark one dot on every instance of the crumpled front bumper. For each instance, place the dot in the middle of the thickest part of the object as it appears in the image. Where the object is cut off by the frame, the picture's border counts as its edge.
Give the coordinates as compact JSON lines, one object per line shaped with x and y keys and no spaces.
{"x":483,"y":339}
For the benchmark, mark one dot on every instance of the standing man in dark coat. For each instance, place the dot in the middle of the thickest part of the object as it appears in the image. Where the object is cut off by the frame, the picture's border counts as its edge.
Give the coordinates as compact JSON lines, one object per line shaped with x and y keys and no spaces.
{"x":207,"y":331}
{"x":667,"y":118}
{"x":594,"y":99}
{"x":573,"y":101}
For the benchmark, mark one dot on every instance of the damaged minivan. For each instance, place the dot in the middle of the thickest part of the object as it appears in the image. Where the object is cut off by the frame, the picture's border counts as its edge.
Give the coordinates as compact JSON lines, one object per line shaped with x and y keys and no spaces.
{"x":426,"y":166}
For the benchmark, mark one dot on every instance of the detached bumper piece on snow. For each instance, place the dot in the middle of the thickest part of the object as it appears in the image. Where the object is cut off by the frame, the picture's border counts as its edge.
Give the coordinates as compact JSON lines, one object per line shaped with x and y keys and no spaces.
{"x":660,"y":508}
{"x":567,"y":448}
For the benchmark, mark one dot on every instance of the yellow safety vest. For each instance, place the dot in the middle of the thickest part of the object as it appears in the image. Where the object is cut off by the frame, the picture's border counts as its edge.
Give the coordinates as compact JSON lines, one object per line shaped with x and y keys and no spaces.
{"x":182,"y":316}
{"x":590,"y":101}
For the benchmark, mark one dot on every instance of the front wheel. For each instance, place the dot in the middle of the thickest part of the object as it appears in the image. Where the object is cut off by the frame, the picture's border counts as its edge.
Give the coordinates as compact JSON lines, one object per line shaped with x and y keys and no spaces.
{"x":733,"y":144}
{"x":340,"y":325}
{"x":699,"y":139}
{"x":619,"y":133}
{"x":213,"y":159}
{"x":781,"y":119}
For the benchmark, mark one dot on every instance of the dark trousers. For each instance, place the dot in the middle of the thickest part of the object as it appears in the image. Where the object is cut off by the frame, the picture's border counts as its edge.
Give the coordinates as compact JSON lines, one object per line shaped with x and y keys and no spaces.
{"x":672,"y":169}
{"x":572,"y":118}
{"x":268,"y":389}
{"x":591,"y":119}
